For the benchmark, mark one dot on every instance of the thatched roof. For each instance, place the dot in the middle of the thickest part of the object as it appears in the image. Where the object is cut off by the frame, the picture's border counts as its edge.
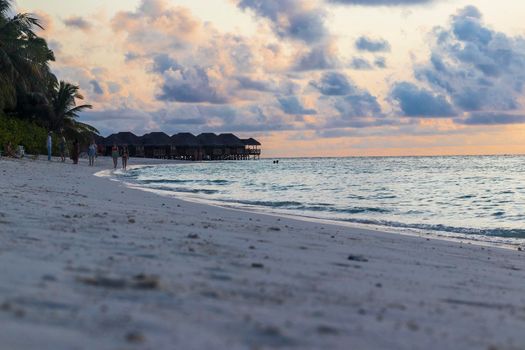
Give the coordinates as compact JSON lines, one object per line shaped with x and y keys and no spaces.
{"x":250,"y":142}
{"x":111,"y":139}
{"x":128,"y":138}
{"x":99,"y":140}
{"x":185,"y":139}
{"x":122,"y":138}
{"x":209,"y":140}
{"x":230,"y":140}
{"x":156,"y":139}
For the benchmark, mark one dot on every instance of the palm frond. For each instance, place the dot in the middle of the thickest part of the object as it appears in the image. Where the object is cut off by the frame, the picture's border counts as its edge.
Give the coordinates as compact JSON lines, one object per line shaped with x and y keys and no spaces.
{"x":67,"y":111}
{"x":5,"y":7}
{"x":74,"y":111}
{"x":24,"y":57}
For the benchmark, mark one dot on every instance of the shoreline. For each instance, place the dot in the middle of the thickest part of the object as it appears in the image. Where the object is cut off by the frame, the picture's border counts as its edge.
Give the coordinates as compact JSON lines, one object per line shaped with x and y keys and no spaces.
{"x":90,"y":263}
{"x":462,"y":238}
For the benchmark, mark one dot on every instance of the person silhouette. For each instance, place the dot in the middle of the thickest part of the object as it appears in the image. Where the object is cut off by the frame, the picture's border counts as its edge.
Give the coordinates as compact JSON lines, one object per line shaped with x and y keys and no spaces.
{"x":49,"y":145}
{"x":115,"y":154}
{"x":75,"y":152}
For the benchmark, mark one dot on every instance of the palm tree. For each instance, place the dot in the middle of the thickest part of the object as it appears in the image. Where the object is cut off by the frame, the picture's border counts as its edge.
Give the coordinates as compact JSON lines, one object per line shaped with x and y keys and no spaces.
{"x":65,"y":112}
{"x":24,"y":57}
{"x":28,"y":89}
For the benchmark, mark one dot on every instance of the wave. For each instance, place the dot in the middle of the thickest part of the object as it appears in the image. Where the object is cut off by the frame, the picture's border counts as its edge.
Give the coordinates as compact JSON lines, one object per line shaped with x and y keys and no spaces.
{"x":176,"y":181}
{"x":497,"y":232}
{"x":185,"y":190}
{"x":315,"y":207}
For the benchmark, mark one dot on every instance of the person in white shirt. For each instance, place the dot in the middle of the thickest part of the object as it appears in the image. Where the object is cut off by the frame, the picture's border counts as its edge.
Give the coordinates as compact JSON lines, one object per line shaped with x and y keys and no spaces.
{"x":92,"y":152}
{"x":49,"y":146}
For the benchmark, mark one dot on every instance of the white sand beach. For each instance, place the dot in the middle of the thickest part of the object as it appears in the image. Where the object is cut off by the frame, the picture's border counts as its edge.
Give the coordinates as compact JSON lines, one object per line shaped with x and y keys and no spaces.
{"x":87,"y":263}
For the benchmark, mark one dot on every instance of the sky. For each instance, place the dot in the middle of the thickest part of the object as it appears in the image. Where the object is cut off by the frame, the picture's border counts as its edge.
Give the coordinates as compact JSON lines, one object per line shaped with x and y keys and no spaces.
{"x":304,"y":77}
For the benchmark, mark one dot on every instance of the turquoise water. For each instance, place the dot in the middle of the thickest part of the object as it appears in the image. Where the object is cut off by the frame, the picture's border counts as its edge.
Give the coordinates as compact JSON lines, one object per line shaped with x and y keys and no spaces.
{"x":478,"y":195}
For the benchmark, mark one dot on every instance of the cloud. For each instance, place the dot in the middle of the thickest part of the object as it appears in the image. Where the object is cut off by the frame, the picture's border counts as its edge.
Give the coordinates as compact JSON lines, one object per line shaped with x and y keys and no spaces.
{"x":380,"y":62}
{"x":321,"y":57}
{"x":171,"y":40}
{"x":116,"y":114}
{"x":47,"y":22}
{"x":114,"y":87}
{"x":231,"y":67}
{"x":416,"y":102}
{"x":472,"y":69}
{"x":372,"y":45}
{"x":163,"y":62}
{"x":382,"y":2}
{"x":131,"y":56}
{"x":467,"y":27}
{"x":292,"y":105}
{"x":55,"y":46}
{"x":97,"y":89}
{"x":190,"y":85}
{"x":109,"y":121}
{"x":294,"y":19}
{"x":360,"y":63}
{"x":333,"y":84}
{"x":488,"y":118}
{"x":220,"y":118}
{"x":354,"y":107}
{"x":248,"y":83}
{"x":156,"y":25}
{"x":358,"y":104}
{"x":78,"y":23}
{"x":195,"y":116}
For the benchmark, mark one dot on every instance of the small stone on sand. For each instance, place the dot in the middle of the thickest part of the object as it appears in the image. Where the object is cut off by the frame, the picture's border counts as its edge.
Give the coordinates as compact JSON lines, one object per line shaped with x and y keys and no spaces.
{"x":359,"y":258}
{"x":135,"y":337}
{"x":101,"y":281}
{"x":142,"y":281}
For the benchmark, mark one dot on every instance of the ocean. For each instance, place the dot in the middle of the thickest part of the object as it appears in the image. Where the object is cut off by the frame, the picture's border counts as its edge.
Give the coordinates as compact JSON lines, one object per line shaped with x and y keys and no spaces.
{"x":477,"y":197}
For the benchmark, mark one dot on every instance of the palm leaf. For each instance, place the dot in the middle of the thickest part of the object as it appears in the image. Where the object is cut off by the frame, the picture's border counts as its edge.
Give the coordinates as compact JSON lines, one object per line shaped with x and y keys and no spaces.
{"x":67,"y":111}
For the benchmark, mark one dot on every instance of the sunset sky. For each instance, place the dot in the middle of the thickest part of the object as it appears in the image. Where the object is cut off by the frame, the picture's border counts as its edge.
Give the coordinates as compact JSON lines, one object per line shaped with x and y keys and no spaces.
{"x":305,"y":77}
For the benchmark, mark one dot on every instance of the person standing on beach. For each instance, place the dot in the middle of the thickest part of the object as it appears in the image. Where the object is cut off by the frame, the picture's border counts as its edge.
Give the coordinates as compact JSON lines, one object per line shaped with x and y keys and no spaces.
{"x":114,"y":155}
{"x":75,"y":152}
{"x":49,"y":146}
{"x":8,"y":149}
{"x":92,"y":152}
{"x":125,"y":157}
{"x":62,"y":148}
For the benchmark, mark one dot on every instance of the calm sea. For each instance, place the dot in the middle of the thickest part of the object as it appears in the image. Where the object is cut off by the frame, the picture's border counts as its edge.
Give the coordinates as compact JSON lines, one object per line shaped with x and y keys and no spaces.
{"x":475,"y":196}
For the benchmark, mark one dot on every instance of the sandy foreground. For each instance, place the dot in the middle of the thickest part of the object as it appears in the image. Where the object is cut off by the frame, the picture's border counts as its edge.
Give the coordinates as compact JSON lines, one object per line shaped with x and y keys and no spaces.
{"x":87,"y":263}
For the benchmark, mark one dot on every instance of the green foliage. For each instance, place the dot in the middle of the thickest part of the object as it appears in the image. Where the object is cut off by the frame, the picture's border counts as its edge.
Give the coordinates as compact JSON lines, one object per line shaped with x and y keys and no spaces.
{"x":65,"y":111}
{"x":22,"y":132}
{"x":29,"y":91}
{"x":24,"y":57}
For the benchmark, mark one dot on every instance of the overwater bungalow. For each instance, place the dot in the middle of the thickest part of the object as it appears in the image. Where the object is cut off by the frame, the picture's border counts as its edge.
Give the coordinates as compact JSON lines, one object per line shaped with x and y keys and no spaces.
{"x":121,"y":139}
{"x":156,"y":145}
{"x":232,"y":147}
{"x":212,"y":147}
{"x":252,"y":148}
{"x":184,"y":146}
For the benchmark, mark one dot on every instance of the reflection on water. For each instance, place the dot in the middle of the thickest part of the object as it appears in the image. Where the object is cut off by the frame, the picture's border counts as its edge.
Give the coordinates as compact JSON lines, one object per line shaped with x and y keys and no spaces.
{"x":470,"y":195}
